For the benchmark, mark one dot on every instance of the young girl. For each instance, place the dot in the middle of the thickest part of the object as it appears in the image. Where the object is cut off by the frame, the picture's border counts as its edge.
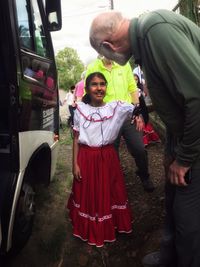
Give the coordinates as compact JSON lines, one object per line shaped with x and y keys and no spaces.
{"x":98,"y":203}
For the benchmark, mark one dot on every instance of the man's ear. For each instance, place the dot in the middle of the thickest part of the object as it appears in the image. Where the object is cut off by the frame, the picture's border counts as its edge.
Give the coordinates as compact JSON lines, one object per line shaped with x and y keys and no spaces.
{"x":108,"y":45}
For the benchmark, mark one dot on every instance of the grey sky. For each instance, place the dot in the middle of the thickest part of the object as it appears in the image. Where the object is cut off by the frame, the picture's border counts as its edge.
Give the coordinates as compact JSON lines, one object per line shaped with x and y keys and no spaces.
{"x":78,"y":15}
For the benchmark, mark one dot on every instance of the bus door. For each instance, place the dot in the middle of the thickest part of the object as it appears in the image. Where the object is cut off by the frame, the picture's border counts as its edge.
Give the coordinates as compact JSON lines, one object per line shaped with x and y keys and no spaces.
{"x":38,"y":82}
{"x":29,"y":111}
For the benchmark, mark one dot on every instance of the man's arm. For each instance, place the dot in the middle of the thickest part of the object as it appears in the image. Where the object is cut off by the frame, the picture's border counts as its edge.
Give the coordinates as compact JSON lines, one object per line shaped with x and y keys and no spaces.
{"x":135,"y":97}
{"x":180,"y":74}
{"x":132,"y":86}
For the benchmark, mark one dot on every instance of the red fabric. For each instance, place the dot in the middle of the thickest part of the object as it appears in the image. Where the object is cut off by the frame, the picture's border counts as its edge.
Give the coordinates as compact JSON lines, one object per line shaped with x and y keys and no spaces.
{"x":98,"y":204}
{"x":149,"y":135}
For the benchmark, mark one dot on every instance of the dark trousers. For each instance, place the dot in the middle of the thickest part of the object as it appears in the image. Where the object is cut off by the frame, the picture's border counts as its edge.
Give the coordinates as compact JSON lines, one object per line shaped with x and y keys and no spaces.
{"x":71,"y":110}
{"x":134,"y":143}
{"x":181,"y":238}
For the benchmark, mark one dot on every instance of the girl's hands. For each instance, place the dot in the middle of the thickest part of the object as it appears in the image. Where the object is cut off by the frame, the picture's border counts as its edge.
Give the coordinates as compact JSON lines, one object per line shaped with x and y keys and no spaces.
{"x":139,"y":123}
{"x":77,"y":173}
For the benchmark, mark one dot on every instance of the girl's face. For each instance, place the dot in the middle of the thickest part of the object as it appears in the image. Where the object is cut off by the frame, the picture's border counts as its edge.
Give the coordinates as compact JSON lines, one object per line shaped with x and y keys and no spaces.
{"x":136,"y":78}
{"x":97,"y":91}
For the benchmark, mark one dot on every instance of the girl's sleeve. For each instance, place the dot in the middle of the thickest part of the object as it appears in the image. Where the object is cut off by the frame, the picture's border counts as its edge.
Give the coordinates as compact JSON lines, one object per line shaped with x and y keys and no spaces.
{"x":76,"y":121}
{"x":126,"y":108}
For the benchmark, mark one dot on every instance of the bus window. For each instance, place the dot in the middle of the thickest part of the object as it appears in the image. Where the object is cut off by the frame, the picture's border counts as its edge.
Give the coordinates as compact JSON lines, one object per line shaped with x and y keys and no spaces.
{"x":31,"y":31}
{"x":23,"y":25}
{"x":40,"y":39}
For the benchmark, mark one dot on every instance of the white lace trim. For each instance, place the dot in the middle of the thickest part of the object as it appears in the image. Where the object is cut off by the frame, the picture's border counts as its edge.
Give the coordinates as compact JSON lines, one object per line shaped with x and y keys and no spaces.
{"x":91,"y":218}
{"x":119,"y":207}
{"x":76,"y":205}
{"x":105,"y":217}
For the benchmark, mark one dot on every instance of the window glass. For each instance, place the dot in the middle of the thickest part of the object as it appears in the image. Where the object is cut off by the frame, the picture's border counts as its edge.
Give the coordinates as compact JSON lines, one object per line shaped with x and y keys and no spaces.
{"x":23,"y":24}
{"x":40,"y":38}
{"x":31,"y":33}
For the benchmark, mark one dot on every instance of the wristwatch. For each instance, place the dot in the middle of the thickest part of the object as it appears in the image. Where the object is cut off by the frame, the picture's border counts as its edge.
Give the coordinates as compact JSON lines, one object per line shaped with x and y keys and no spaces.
{"x":137,"y":110}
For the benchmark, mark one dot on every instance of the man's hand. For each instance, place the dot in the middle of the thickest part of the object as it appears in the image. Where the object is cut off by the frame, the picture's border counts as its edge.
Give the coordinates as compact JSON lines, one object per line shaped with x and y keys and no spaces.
{"x":176,"y":174}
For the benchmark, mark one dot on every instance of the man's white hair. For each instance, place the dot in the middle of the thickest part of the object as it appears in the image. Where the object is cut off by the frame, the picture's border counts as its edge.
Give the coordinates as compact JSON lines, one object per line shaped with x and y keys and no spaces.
{"x":103,"y":27}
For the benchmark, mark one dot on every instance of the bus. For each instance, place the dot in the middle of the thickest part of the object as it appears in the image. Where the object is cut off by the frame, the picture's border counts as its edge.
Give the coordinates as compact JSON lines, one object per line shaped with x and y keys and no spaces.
{"x":29,"y":112}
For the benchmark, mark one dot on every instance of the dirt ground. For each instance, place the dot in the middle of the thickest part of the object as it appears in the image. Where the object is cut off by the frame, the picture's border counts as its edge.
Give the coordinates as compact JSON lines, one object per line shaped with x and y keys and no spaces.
{"x":52,"y":243}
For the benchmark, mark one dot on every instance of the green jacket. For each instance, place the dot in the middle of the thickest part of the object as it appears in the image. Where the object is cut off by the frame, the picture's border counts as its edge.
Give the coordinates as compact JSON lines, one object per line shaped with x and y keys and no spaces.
{"x":167,"y":45}
{"x":120,"y":80}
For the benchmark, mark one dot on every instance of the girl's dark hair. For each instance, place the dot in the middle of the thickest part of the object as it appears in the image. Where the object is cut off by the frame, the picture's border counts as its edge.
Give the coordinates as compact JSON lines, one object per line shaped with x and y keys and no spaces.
{"x":72,"y":88}
{"x":86,"y":98}
{"x":139,"y":84}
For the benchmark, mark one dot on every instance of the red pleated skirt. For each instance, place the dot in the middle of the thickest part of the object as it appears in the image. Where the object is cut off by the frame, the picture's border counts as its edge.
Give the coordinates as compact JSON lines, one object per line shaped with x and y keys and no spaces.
{"x":98,"y":205}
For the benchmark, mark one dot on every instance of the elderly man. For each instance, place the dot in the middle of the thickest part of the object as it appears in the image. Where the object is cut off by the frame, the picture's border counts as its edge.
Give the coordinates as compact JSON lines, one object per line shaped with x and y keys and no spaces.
{"x":167,"y":46}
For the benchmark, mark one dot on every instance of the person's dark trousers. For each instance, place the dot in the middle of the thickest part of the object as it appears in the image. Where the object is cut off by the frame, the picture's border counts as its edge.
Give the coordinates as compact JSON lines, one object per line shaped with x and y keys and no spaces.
{"x":180,"y":242}
{"x":134,"y":142}
{"x":167,"y":245}
{"x":71,"y":110}
{"x":181,"y":235}
{"x":186,"y":211}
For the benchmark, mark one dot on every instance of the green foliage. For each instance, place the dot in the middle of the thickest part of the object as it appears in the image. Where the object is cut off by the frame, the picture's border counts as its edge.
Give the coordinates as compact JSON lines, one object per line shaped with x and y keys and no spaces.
{"x":69,"y":67}
{"x":189,"y":9}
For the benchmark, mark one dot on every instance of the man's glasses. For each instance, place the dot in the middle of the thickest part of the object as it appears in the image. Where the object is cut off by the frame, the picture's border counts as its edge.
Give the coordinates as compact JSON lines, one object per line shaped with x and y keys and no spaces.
{"x":96,"y":84}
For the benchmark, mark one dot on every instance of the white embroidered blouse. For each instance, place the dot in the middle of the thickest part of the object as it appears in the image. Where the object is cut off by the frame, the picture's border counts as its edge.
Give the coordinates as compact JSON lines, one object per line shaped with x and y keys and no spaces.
{"x":99,"y":126}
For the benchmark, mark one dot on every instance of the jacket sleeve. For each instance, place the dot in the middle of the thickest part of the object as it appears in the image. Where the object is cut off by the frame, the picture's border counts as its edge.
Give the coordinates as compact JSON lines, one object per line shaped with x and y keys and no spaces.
{"x":132,"y":87}
{"x":178,"y":61}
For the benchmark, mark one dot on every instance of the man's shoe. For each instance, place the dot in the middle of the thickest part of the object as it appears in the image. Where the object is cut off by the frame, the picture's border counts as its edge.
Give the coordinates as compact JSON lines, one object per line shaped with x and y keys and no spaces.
{"x":154,"y":259}
{"x":148,"y":185}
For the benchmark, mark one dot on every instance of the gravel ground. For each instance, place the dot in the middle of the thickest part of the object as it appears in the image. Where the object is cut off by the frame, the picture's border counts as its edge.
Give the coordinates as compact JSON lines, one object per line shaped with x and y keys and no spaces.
{"x":52,"y":243}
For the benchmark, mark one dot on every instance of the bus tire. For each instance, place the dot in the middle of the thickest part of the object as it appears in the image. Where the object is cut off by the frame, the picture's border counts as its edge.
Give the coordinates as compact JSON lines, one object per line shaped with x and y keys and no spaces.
{"x":24,"y":218}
